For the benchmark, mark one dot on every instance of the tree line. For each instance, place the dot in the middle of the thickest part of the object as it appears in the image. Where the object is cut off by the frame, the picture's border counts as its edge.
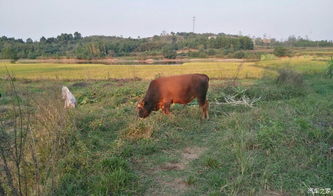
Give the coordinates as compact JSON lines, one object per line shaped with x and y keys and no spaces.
{"x":76,"y":46}
{"x":292,"y":41}
{"x":171,"y":45}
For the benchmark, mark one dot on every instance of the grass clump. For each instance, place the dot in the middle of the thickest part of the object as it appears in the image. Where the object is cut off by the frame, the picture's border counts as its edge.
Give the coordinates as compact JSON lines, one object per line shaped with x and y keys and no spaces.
{"x":138,"y":131}
{"x":329,"y":71}
{"x":211,"y":163}
{"x":266,"y":57}
{"x":290,"y":78}
{"x":190,"y":180}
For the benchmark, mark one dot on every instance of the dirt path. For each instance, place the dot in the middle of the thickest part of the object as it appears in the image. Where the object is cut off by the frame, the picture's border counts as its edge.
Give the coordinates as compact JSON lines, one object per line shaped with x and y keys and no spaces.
{"x":170,"y":185}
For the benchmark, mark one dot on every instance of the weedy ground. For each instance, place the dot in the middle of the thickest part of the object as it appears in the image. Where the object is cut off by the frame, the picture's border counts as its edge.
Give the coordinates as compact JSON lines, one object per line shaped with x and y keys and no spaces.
{"x":280,"y":146}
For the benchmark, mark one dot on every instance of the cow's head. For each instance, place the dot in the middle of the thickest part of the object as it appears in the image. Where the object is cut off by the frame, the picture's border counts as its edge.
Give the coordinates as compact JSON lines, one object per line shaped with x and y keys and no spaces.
{"x":143,"y":109}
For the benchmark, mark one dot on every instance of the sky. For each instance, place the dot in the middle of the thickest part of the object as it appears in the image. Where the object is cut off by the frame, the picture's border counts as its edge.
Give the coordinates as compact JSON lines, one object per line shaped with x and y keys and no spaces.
{"x":132,"y":18}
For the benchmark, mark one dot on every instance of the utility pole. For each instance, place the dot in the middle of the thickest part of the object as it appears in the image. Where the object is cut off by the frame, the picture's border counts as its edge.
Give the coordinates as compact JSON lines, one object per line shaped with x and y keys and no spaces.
{"x":193,"y":19}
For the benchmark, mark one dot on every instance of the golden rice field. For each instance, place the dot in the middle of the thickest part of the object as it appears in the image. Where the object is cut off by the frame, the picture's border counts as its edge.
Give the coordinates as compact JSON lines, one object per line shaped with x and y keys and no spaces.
{"x":223,"y":70}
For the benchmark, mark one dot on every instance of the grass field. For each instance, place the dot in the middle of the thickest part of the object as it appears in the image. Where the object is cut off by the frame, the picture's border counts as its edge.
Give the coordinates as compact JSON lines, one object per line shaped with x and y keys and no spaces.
{"x":102,"y":72}
{"x":280,"y":146}
{"x":221,"y":70}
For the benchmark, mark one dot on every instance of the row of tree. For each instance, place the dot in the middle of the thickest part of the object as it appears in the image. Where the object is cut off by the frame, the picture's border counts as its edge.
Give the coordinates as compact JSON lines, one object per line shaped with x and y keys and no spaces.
{"x":167,"y":45}
{"x":76,"y":46}
{"x":292,"y":41}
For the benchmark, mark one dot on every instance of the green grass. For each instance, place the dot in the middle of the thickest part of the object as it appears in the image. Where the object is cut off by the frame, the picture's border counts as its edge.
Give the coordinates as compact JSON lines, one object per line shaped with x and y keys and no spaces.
{"x":279,"y":146}
{"x":303,"y":64}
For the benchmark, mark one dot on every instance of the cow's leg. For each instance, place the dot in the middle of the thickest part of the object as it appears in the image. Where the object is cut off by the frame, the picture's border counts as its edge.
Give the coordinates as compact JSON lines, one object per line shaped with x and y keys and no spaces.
{"x":166,"y":107}
{"x":201,"y":93}
{"x":205,"y":109}
{"x":203,"y":105}
{"x":202,"y":111}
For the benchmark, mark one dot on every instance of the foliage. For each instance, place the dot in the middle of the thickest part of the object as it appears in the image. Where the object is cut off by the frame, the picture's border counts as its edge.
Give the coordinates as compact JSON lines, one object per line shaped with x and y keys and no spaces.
{"x":67,"y":45}
{"x":87,"y":98}
{"x":75,"y":46}
{"x":266,"y":57}
{"x":169,"y":53}
{"x":281,"y":52}
{"x":329,"y":71}
{"x":37,"y":136}
{"x":239,"y":55}
{"x":289,"y":77}
{"x":293,"y":41}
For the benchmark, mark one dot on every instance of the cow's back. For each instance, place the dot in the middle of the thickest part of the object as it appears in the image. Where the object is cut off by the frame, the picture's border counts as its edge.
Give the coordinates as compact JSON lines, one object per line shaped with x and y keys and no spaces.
{"x":182,"y":88}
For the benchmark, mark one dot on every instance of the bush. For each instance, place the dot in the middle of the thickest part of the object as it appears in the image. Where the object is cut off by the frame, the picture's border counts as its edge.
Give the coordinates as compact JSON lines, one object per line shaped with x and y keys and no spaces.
{"x":239,"y":55}
{"x":169,"y":53}
{"x":211,"y":52}
{"x":200,"y":54}
{"x":289,"y":77}
{"x":267,"y":57}
{"x":288,"y":84}
{"x":281,"y":51}
{"x":329,"y":71}
{"x":41,"y":131}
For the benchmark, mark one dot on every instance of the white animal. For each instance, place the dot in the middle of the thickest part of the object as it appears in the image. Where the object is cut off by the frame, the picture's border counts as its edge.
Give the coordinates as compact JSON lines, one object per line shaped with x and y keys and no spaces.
{"x":70,"y":101}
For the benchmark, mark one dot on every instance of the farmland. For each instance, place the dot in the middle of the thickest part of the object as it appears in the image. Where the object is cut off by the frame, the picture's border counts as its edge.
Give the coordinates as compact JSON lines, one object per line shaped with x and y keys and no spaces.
{"x":218,"y":70}
{"x":279,"y":145}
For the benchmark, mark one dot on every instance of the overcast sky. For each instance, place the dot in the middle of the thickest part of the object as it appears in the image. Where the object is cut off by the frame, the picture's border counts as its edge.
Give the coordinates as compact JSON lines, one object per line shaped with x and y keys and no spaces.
{"x":275,"y":18}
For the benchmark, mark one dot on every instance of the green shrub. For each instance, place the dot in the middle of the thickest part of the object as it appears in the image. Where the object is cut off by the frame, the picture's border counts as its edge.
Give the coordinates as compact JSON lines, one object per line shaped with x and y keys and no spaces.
{"x":239,"y":55}
{"x":113,"y":163}
{"x":267,"y":57}
{"x":211,"y":52}
{"x":289,"y":77}
{"x":281,"y":51}
{"x":270,"y":137}
{"x":117,"y":180}
{"x":329,"y":71}
{"x":211,"y":163}
{"x":191,"y":180}
{"x":200,"y":54}
{"x":169,"y":53}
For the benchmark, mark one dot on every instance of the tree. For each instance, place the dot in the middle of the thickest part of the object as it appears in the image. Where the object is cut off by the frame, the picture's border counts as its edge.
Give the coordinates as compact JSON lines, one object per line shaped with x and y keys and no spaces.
{"x":77,"y":36}
{"x":29,"y":40}
{"x":246,"y":43}
{"x":9,"y":53}
{"x":169,"y":53}
{"x":42,"y":40}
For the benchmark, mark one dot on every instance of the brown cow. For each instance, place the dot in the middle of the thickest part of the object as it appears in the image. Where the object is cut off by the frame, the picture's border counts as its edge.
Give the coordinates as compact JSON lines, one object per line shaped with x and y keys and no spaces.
{"x":182,"y":89}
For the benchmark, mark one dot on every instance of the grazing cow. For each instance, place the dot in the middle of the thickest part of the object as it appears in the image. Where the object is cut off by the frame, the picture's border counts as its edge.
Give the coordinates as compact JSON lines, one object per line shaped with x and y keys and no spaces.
{"x":70,"y":101}
{"x":182,"y":89}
